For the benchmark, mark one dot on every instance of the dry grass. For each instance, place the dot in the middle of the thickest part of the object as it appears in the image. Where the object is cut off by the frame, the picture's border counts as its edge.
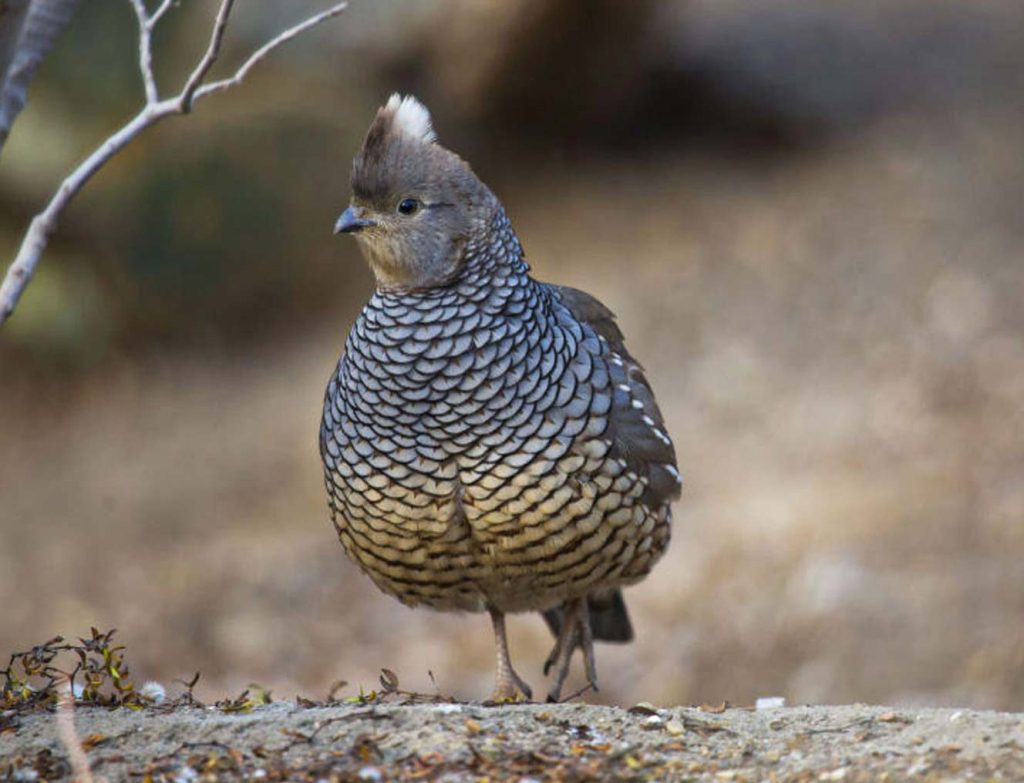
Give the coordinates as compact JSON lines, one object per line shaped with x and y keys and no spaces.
{"x":838,"y":345}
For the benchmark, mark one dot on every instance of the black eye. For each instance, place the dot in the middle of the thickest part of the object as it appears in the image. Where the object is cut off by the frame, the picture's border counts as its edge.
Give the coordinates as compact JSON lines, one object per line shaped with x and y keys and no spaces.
{"x":408,"y":205}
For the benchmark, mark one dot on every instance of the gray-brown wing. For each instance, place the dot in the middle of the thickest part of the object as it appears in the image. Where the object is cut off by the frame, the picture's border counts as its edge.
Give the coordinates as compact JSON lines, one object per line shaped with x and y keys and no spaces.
{"x":636,"y":427}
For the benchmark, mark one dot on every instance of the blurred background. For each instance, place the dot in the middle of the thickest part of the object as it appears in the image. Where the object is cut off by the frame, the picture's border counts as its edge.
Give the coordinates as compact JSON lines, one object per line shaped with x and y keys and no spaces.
{"x":809,"y":218}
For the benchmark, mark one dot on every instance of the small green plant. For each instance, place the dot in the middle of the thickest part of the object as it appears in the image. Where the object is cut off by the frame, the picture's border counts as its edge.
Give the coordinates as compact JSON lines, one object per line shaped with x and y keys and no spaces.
{"x":96,"y":670}
{"x":99,"y":676}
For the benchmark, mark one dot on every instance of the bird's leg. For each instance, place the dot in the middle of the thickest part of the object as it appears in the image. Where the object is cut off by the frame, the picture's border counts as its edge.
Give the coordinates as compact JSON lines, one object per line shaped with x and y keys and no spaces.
{"x":507,"y":684}
{"x":575,"y":632}
{"x":565,"y":644}
{"x":564,"y":633}
{"x":586,"y":643}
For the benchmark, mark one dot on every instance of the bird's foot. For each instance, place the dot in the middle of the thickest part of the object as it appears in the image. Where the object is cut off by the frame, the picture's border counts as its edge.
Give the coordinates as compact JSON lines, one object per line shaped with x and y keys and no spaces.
{"x":575,"y":633}
{"x":555,"y":694}
{"x":511,"y":687}
{"x":508,"y":686}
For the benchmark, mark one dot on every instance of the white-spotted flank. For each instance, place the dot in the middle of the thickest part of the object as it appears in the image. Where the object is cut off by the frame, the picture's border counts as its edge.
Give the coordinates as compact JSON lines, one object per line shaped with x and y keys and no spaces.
{"x":675,"y":473}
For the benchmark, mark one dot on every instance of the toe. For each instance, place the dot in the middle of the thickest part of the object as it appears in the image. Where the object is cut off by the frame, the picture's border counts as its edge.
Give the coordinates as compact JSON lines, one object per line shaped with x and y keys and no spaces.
{"x":509,"y":692}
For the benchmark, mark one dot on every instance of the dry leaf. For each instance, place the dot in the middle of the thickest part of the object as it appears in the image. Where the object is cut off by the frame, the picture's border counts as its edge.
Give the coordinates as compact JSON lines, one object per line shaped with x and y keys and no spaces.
{"x":93,"y":740}
{"x":388,"y":681}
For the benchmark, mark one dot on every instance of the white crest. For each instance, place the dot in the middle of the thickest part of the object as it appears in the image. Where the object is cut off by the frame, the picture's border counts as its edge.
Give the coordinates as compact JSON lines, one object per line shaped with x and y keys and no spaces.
{"x":410,"y":117}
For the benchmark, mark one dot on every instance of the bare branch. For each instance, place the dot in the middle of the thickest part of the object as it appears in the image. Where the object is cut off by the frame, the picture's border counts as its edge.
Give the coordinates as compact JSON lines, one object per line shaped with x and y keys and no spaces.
{"x":209,"y":58}
{"x":159,"y":12}
{"x":267,"y":48}
{"x":45,"y":223}
{"x":146,"y":50}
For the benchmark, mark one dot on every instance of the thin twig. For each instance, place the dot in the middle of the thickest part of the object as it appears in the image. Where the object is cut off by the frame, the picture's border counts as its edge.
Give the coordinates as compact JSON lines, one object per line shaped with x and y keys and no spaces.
{"x":45,"y":223}
{"x":146,"y":51}
{"x":69,"y":736}
{"x":159,"y":12}
{"x":209,"y":57}
{"x":588,"y":687}
{"x":267,"y":48}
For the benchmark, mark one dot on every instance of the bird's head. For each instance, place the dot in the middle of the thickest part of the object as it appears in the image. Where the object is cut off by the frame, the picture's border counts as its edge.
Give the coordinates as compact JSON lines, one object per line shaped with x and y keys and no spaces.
{"x":414,"y":204}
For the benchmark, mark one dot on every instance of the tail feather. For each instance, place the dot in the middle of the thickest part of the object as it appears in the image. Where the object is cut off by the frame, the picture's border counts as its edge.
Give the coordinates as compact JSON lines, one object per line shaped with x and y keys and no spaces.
{"x":609,"y":620}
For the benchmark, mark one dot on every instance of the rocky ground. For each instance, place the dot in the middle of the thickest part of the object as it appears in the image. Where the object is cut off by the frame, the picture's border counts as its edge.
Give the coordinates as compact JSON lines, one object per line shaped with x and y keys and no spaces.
{"x":522,"y":742}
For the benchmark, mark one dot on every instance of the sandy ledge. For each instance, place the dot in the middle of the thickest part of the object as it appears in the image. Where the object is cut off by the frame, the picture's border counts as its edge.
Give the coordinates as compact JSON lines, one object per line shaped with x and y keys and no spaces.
{"x":524,"y":742}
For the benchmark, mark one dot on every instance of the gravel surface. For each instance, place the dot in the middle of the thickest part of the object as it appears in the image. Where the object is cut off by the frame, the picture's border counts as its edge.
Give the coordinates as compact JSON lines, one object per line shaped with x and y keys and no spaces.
{"x":524,"y":743}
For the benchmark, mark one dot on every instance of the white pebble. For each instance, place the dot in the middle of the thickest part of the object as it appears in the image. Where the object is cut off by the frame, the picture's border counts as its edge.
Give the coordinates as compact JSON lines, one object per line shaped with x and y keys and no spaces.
{"x":25,"y":775}
{"x":769,"y":702}
{"x":835,"y":774}
{"x":153,"y":691}
{"x":448,"y":709}
{"x":370,"y":773}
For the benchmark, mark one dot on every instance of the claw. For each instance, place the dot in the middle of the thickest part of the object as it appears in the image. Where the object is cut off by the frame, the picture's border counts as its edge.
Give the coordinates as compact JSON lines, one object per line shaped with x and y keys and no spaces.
{"x":512,"y":689}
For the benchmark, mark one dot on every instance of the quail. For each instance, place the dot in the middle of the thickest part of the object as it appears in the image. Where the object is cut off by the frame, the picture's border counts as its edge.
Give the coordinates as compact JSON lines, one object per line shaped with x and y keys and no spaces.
{"x":488,"y":442}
